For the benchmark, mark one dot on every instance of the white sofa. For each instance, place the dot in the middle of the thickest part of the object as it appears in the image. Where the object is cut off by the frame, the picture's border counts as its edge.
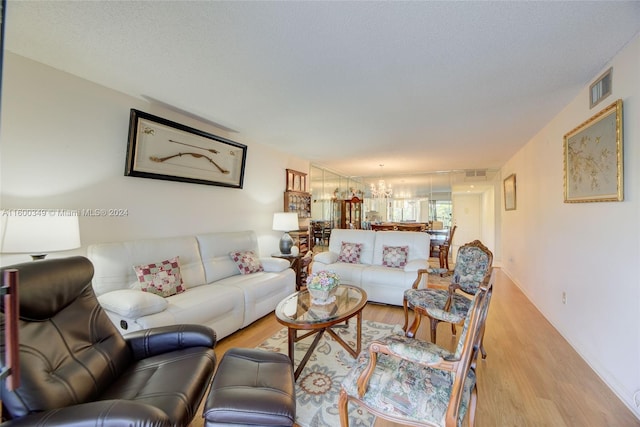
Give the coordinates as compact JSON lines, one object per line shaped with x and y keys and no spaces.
{"x":216,"y":295}
{"x":382,"y":284}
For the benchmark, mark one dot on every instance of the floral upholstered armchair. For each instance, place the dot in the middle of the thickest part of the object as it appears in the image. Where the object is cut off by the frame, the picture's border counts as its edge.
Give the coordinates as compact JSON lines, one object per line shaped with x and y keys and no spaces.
{"x":473,"y":266}
{"x":414,"y":382}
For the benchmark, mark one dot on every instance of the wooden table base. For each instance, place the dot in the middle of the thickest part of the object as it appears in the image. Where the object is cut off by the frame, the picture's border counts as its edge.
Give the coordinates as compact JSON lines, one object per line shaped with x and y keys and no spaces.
{"x":293,"y":338}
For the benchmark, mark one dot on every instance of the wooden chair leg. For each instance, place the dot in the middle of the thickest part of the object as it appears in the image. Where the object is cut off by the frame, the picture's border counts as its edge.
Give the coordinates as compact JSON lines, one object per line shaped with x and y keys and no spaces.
{"x":482,"y":350}
{"x":411,"y":332}
{"x":471,"y":411}
{"x":443,"y":256}
{"x":343,"y":402}
{"x":446,"y":258}
{"x":406,"y":314}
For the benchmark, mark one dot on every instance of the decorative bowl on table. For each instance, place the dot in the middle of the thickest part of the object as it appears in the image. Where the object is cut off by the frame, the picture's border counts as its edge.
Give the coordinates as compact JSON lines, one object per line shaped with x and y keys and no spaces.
{"x":321,"y":287}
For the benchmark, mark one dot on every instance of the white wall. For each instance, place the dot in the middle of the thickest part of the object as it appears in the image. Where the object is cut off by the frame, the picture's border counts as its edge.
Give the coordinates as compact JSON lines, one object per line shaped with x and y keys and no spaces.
{"x":588,"y":250}
{"x":62,"y":145}
{"x":467,"y":215}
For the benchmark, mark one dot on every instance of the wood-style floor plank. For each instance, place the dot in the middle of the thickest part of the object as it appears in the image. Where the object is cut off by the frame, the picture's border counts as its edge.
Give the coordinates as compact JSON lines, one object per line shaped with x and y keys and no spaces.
{"x":531,"y":377}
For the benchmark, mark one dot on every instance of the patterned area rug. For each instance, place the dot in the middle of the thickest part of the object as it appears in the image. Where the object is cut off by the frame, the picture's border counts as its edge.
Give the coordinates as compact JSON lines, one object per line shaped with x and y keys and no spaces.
{"x":318,"y":386}
{"x":439,"y":281}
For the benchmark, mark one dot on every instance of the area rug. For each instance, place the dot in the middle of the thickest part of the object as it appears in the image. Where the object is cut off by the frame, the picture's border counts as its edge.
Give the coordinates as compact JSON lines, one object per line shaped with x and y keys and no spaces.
{"x":439,"y":278}
{"x":318,"y":385}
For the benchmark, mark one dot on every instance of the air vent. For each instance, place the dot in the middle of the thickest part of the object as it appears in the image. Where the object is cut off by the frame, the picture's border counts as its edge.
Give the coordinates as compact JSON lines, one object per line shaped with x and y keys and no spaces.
{"x":601,"y":88}
{"x":475,"y":175}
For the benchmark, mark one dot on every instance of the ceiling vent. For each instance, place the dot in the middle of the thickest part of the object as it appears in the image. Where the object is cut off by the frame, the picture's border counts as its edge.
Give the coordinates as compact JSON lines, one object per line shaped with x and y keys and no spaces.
{"x":475,"y":175}
{"x":601,"y":88}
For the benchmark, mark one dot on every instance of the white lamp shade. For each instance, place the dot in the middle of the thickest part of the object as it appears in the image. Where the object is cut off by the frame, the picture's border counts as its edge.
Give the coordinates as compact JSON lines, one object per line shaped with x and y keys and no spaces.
{"x":49,"y":231}
{"x":285,"y":221}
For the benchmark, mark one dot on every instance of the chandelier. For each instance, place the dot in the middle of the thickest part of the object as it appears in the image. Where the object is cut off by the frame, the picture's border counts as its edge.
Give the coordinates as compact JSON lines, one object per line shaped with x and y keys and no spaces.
{"x":382,"y":191}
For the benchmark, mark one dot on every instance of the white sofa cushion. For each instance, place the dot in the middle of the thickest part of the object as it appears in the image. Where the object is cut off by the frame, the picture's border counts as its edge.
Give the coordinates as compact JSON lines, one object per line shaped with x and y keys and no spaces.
{"x":275,"y":265}
{"x":113,"y":262}
{"x":385,"y":284}
{"x":350,"y":274}
{"x":326,"y":257}
{"x":262,"y":291}
{"x":132,"y":303}
{"x":366,"y":237}
{"x":417,"y":241}
{"x":215,"y":248}
{"x":219,"y":307}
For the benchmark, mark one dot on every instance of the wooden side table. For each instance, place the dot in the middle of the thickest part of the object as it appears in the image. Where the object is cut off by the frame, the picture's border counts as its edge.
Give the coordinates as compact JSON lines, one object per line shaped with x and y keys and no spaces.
{"x":296,"y":264}
{"x":301,"y":239}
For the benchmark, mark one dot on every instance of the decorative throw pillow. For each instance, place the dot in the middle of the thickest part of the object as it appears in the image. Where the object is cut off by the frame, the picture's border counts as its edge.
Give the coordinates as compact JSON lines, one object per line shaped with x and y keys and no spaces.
{"x":162,"y":278}
{"x":350,"y":252}
{"x":246,"y":261}
{"x":395,"y":256}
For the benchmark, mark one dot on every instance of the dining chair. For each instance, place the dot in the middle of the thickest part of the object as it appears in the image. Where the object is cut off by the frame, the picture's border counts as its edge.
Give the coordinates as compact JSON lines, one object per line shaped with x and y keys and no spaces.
{"x":443,"y":252}
{"x":439,"y":245}
{"x":473,"y":266}
{"x":415,"y":382}
{"x":383,"y":227}
{"x":409,"y":227}
{"x":316,"y":229}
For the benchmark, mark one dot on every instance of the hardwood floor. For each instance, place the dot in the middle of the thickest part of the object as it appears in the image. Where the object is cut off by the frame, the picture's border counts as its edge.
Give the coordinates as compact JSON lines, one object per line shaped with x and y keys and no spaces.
{"x":531,"y":376}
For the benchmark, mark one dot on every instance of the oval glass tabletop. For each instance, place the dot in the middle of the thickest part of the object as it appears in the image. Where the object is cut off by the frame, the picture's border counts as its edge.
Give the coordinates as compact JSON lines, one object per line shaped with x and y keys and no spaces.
{"x":297,"y":309}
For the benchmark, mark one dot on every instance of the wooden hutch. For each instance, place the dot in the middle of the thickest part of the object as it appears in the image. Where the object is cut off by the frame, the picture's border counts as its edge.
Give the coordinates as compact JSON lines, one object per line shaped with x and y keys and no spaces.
{"x":296,"y":199}
{"x":348,"y":212}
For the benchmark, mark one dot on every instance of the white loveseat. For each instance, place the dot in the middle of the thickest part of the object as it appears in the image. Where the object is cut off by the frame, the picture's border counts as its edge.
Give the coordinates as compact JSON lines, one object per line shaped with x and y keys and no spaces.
{"x":216,"y":295}
{"x":382,"y":284}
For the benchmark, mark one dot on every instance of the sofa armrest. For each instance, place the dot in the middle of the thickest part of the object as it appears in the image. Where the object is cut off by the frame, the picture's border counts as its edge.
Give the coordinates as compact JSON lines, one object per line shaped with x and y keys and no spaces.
{"x":150,"y":342}
{"x":106,"y":413}
{"x":275,"y":265}
{"x":132,"y":303}
{"x":416,"y":264}
{"x":325,"y":257}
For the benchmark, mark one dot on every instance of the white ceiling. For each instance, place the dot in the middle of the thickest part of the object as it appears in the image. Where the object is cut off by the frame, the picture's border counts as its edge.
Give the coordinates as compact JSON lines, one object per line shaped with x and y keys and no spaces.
{"x":417,"y":86}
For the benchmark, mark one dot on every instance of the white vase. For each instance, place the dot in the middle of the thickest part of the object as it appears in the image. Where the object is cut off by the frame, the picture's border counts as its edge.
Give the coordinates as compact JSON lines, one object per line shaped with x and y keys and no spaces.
{"x":322,"y":296}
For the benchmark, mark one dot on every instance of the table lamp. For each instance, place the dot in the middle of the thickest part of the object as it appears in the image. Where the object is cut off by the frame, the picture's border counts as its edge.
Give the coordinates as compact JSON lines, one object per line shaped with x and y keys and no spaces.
{"x":38,"y":232}
{"x":285,"y":221}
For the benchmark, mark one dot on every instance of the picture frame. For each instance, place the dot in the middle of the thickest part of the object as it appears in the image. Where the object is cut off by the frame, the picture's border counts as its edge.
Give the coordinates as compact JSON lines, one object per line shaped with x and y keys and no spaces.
{"x":162,"y":149}
{"x":593,"y":169}
{"x":510,"y":193}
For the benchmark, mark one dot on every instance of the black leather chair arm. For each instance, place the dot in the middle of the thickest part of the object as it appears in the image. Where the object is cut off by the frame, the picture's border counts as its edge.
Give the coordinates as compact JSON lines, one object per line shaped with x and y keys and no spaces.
{"x":150,"y":342}
{"x":105,"y":413}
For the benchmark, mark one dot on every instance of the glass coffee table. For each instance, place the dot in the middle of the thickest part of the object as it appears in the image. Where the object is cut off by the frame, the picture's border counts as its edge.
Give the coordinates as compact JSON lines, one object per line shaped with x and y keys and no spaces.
{"x":296,"y":312}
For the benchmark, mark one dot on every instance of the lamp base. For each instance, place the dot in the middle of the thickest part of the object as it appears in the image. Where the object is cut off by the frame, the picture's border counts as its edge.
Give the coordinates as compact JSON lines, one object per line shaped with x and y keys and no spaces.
{"x":286,"y":243}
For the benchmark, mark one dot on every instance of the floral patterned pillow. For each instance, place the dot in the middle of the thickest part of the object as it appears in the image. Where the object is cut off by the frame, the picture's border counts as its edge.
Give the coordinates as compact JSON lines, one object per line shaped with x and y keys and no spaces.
{"x":162,"y":278}
{"x":395,"y":256}
{"x":350,"y":252}
{"x":246,"y":261}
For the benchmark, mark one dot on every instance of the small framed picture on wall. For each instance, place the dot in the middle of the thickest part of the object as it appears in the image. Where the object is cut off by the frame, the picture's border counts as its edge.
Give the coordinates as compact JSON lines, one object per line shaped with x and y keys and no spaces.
{"x":510,"y":193}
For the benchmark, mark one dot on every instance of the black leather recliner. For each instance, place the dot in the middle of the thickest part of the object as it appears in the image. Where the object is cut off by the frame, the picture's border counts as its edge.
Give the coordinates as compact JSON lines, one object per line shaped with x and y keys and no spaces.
{"x":76,"y":369}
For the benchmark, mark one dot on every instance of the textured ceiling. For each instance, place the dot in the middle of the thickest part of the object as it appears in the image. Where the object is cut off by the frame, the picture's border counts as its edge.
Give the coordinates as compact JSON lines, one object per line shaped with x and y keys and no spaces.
{"x":416,"y":86}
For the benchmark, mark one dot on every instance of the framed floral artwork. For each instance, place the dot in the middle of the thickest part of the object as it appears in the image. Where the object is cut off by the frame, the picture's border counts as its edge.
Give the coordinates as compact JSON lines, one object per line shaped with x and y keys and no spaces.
{"x":593,"y":158}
